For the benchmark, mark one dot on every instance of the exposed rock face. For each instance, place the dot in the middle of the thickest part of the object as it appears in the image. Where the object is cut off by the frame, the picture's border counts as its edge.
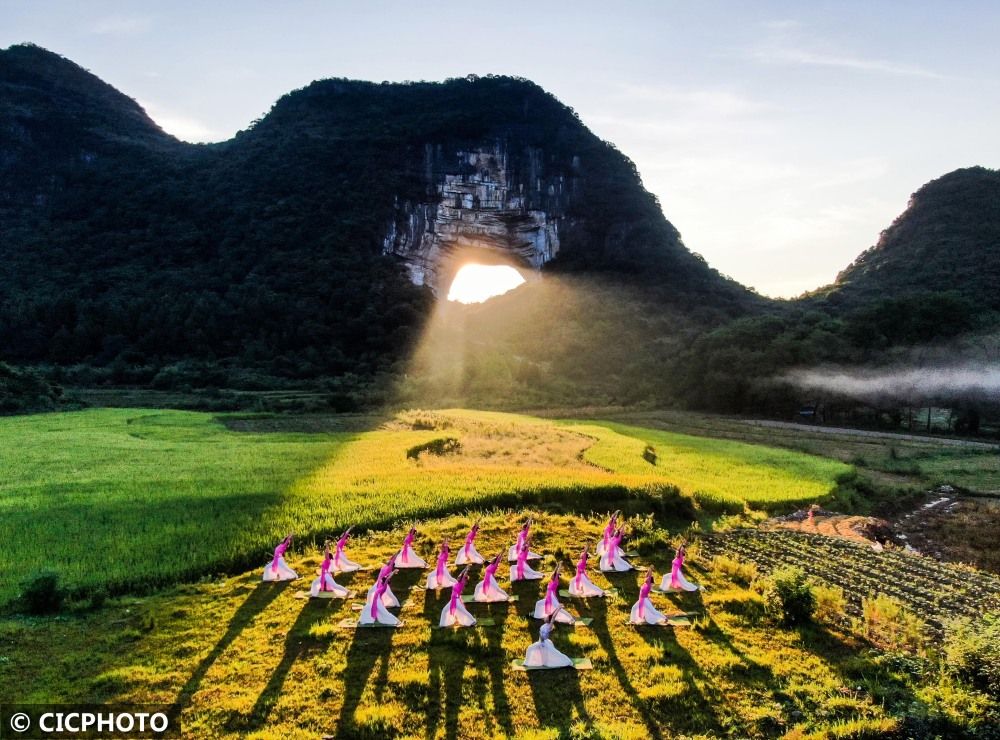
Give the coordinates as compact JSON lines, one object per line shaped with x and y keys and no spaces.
{"x":483,"y":206}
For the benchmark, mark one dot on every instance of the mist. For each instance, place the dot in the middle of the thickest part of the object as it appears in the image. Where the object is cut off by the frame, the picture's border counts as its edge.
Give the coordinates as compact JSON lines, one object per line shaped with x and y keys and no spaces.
{"x":968,"y":381}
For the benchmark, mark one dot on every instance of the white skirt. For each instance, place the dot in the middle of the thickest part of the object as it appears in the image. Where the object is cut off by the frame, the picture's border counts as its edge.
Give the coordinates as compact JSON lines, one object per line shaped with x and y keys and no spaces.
{"x":281,"y":573}
{"x":488,"y":590}
{"x":332,"y":587}
{"x":468,"y":555}
{"x":585,"y":589}
{"x":561,"y":614}
{"x":409,"y":559}
{"x":344,"y":564}
{"x":382,"y":615}
{"x":460,"y":616}
{"x":650,"y":615}
{"x":388,"y":598}
{"x":615,"y":562}
{"x":529,"y":574}
{"x":512,"y":554}
{"x":434,"y":583}
{"x":544,"y":653}
{"x":680,"y":584}
{"x":601,"y":549}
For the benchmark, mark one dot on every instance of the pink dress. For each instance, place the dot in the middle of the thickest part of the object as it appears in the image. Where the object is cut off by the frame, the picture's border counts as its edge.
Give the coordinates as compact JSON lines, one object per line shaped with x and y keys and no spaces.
{"x":277,"y":569}
{"x":544,"y":607}
{"x":467,"y":554}
{"x":341,"y":563}
{"x":407,"y":558}
{"x":676,"y":580}
{"x":325,"y":583}
{"x":611,"y":560}
{"x":581,"y":586}
{"x":454,"y":612}
{"x":609,"y":532}
{"x":440,"y":577}
{"x":521,"y":571}
{"x":388,"y":597}
{"x":643,"y":611}
{"x":522,"y":540}
{"x":374,"y":611}
{"x":487,"y":589}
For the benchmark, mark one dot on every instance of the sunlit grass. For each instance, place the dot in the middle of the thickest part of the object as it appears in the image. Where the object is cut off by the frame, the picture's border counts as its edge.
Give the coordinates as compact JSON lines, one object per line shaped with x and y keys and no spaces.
{"x":126,"y":499}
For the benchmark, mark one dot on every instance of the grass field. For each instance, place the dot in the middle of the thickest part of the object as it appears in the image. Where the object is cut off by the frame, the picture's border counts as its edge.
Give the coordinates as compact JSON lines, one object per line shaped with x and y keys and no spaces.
{"x":250,"y":660}
{"x":122,"y":499}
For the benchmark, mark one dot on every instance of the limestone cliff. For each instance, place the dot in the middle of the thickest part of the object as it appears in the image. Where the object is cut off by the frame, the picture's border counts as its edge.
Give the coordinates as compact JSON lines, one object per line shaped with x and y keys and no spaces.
{"x":481,"y":203}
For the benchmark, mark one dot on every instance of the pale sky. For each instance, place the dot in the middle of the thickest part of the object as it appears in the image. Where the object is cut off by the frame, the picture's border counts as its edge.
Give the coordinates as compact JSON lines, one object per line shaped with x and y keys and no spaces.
{"x":780,"y":137}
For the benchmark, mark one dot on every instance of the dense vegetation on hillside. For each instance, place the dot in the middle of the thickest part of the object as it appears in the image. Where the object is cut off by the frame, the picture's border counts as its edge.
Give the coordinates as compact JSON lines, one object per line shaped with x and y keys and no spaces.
{"x":130,"y":258}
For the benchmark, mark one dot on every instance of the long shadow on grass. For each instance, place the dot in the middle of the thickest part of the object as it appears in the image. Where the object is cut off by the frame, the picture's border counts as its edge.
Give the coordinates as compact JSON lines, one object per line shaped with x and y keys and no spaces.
{"x":369,"y":650}
{"x":255,"y":603}
{"x":298,"y":644}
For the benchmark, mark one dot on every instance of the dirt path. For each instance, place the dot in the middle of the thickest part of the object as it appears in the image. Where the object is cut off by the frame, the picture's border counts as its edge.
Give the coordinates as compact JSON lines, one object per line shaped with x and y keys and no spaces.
{"x":865,"y":433}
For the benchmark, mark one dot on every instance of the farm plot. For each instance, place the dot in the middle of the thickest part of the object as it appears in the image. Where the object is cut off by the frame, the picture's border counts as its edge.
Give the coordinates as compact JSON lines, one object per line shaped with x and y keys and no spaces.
{"x":937,"y":592}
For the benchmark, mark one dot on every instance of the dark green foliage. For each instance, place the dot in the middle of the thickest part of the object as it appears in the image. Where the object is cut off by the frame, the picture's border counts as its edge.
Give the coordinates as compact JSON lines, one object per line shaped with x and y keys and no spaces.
{"x":788,"y":597}
{"x":42,"y":594}
{"x":972,"y":650}
{"x":23,"y":390}
{"x":440,"y":446}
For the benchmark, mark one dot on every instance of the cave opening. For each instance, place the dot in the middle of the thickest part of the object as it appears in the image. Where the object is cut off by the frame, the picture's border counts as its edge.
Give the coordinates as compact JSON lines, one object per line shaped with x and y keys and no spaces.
{"x":476,"y":283}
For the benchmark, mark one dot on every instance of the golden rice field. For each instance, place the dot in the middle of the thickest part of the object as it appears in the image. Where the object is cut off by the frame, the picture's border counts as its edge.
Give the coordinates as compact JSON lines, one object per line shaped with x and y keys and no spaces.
{"x":131,"y":499}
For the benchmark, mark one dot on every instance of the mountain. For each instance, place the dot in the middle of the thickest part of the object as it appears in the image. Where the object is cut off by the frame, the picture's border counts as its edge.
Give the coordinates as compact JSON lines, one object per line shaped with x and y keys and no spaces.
{"x":947,"y":239}
{"x":314,"y":242}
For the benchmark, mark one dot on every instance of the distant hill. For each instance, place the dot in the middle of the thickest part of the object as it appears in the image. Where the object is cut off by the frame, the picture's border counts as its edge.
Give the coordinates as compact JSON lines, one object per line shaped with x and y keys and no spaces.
{"x":947,"y":239}
{"x":292,"y":250}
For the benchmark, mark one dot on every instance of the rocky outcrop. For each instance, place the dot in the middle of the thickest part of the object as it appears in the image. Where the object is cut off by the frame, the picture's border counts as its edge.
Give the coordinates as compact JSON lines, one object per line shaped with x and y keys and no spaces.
{"x":484,"y":206}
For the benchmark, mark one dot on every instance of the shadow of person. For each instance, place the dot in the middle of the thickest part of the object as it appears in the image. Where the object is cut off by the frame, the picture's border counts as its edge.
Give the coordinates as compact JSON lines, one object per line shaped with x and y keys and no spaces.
{"x":448,"y":653}
{"x":298,"y":644}
{"x":256,"y":602}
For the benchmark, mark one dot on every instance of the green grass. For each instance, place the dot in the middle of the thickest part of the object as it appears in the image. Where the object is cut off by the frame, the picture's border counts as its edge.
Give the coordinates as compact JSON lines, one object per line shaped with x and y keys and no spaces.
{"x":245,"y":659}
{"x":127,"y":499}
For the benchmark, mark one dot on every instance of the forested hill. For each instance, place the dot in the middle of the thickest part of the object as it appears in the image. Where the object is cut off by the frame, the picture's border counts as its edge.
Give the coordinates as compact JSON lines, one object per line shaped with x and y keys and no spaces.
{"x":948,"y":238}
{"x":125,"y":248}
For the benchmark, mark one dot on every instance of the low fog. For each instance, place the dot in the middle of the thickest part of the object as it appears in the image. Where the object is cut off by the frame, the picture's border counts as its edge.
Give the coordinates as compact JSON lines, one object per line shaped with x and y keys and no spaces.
{"x":970,"y":381}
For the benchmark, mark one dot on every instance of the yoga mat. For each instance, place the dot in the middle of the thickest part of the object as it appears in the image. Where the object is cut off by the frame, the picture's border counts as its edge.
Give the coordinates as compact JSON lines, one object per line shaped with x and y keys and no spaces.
{"x":352,"y":624}
{"x":324,"y":595}
{"x":564,"y":594}
{"x":480,"y":622}
{"x":471,"y":599}
{"x":580,"y":664}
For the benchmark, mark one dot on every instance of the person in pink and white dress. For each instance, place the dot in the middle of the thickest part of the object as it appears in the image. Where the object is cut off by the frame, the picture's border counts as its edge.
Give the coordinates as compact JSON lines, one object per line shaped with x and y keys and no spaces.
{"x":676,"y":581}
{"x":643,"y":611}
{"x":549,"y":605}
{"x":277,"y":569}
{"x":487,"y":589}
{"x":522,"y":541}
{"x":454,"y":612}
{"x":388,"y":597}
{"x":374,"y":611}
{"x":612,"y":559}
{"x":440,"y":577}
{"x":521,"y":571}
{"x":543,"y":654}
{"x":609,"y":531}
{"x":342,"y":563}
{"x":407,"y":558}
{"x":579,"y":585}
{"x":325,"y":585}
{"x":467,"y":552}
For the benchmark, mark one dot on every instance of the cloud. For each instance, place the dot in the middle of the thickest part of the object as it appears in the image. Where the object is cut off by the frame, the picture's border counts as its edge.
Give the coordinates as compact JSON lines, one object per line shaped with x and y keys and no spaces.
{"x":182,"y":126}
{"x":976,"y":380}
{"x":806,"y":57}
{"x":118,"y":25}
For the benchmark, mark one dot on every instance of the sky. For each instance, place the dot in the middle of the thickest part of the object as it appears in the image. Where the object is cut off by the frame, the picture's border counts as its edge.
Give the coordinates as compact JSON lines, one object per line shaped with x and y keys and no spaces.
{"x":779,"y":137}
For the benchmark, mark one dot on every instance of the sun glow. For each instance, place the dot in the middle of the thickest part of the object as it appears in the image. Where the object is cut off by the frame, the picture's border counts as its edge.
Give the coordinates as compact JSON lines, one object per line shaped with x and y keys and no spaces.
{"x":477,"y":283}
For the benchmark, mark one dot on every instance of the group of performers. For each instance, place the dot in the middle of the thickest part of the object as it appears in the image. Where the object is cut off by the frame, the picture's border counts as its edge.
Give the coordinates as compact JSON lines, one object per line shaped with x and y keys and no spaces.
{"x":549,"y":609}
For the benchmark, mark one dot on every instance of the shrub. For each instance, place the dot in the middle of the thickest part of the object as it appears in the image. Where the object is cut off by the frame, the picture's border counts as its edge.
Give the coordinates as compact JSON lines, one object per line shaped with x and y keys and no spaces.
{"x":649,"y":454}
{"x":972,"y":652}
{"x":42,"y":593}
{"x":743,"y":573}
{"x":888,"y":624}
{"x":788,"y":597}
{"x":440,"y":446}
{"x":830,"y":603}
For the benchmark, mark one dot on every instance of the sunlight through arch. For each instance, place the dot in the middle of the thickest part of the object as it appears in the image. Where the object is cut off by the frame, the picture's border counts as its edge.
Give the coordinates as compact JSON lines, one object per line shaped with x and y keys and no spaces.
{"x":475,"y":283}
